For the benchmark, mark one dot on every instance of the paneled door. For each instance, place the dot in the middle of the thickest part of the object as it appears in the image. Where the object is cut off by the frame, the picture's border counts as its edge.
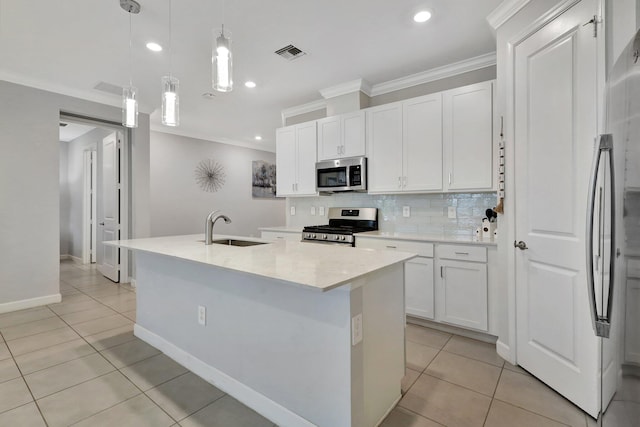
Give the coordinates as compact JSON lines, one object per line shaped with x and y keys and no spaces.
{"x":109,"y":216}
{"x":555,"y":83}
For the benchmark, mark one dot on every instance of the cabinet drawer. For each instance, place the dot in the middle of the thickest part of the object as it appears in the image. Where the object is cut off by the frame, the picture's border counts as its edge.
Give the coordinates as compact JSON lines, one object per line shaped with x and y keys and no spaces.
{"x":463,"y":253}
{"x":421,"y":248}
{"x":278,"y":235}
{"x":633,"y":268}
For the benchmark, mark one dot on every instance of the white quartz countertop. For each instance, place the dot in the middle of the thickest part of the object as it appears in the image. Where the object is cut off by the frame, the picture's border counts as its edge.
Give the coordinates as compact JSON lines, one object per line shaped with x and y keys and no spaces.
{"x":437,"y":238}
{"x":282,"y":229}
{"x":312,"y":265}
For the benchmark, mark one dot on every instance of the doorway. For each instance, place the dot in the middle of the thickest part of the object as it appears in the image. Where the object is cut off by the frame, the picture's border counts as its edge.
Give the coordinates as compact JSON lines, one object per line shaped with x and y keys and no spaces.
{"x":93,"y":193}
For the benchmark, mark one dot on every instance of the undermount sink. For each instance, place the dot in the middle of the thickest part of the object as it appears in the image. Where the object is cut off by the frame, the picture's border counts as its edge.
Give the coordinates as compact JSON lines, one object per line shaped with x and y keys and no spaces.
{"x":234,"y":242}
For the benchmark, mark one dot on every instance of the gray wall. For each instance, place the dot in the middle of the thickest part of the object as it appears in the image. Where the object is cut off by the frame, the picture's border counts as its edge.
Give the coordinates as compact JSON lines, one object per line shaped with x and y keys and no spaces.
{"x":30,"y":188}
{"x":179,"y":206}
{"x":306,"y":117}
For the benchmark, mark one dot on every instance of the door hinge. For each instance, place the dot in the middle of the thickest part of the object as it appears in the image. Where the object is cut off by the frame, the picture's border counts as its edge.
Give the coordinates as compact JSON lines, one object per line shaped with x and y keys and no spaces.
{"x":120,"y":141}
{"x":595,"y":21}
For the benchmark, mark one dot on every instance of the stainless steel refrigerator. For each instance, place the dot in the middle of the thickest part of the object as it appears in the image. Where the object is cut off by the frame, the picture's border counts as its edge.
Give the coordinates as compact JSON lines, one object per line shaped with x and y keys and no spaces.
{"x":613,"y":246}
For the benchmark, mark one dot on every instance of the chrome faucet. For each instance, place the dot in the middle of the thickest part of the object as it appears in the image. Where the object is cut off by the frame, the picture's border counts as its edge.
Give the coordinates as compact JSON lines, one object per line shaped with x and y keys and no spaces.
{"x":211,"y":220}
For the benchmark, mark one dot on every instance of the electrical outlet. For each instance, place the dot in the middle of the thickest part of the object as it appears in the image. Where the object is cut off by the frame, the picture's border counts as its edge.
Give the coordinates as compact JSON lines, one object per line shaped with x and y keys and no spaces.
{"x":321,"y":211}
{"x":202,"y":315}
{"x":406,"y":211}
{"x":292,"y":210}
{"x":313,"y":210}
{"x":356,"y":329}
{"x":451,"y":212}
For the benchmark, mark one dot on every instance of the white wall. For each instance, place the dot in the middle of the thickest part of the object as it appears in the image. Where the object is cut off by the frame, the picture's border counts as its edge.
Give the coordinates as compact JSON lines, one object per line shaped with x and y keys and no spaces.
{"x":30,"y":189}
{"x":179,"y":206}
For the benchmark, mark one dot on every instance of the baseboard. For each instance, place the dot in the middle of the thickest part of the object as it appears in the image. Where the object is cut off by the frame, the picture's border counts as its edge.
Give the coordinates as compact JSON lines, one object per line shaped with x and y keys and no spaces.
{"x":254,"y":400}
{"x":8,"y":307}
{"x":75,"y":259}
{"x":132,"y":281}
{"x":504,"y":351}
{"x":476,"y":335}
{"x":65,"y":257}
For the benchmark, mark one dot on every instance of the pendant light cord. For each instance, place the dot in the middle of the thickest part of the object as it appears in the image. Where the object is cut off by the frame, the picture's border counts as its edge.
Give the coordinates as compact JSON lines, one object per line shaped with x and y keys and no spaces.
{"x":170,"y":40}
{"x":130,"y":57}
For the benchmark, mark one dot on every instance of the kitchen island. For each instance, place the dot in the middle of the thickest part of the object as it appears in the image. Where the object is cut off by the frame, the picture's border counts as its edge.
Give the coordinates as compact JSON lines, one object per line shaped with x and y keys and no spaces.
{"x":305,"y":334}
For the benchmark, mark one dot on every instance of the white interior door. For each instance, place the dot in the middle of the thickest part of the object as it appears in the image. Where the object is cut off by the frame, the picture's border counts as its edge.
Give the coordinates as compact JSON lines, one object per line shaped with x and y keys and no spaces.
{"x":89,"y":219}
{"x":109,"y":225}
{"x":555,"y":126}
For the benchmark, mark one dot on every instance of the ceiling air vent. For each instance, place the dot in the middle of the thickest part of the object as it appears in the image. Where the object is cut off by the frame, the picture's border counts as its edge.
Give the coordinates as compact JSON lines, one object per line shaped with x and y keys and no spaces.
{"x":109,"y":88}
{"x":290,"y":52}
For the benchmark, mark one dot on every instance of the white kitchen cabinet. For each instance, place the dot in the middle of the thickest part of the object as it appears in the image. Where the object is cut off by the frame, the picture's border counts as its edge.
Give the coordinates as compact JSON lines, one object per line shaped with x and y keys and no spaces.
{"x":418,"y":273}
{"x":404,"y":146}
{"x":281,"y":235}
{"x":468,"y":137}
{"x":632,"y":300}
{"x":296,"y":160}
{"x":384,"y":148}
{"x":461,"y":286}
{"x":341,"y":136}
{"x":422,"y":143}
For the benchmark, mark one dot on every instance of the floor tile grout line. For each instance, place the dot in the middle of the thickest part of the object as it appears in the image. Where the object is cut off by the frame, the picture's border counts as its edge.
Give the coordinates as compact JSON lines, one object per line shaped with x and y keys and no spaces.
{"x":493,"y":396}
{"x":458,"y":385}
{"x":419,"y":415}
{"x":532,"y":412}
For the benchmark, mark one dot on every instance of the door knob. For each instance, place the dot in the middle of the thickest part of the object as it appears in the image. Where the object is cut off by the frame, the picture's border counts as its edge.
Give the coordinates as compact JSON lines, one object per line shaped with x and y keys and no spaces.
{"x":520,"y":245}
{"x":101,"y":223}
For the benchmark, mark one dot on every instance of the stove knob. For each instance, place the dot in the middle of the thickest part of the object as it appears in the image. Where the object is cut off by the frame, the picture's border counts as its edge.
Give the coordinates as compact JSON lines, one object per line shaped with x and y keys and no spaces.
{"x":324,"y":236}
{"x":343,"y":238}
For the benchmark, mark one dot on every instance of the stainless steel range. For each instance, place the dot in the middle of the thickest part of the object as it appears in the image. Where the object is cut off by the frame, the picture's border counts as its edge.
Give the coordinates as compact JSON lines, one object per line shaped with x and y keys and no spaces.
{"x":343,"y":224}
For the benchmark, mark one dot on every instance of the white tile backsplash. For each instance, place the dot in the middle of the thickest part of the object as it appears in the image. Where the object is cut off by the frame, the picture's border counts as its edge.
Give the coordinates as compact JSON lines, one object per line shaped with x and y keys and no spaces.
{"x":429,"y":212}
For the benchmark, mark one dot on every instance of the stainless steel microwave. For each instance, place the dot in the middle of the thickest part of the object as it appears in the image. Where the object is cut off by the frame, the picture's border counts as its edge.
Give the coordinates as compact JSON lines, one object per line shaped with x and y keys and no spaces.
{"x":334,"y":176}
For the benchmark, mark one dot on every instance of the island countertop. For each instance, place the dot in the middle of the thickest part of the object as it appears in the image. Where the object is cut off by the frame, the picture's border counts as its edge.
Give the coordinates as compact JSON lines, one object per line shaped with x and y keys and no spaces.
{"x":317,"y":266}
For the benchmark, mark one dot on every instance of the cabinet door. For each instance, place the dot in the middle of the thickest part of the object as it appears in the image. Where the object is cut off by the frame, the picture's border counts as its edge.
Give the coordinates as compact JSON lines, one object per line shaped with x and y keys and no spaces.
{"x":468,"y":135}
{"x":285,"y":161}
{"x":418,"y":287}
{"x":306,"y":139}
{"x":422,"y":143}
{"x":329,"y":138}
{"x":461,"y":294}
{"x":353,"y":134}
{"x":384,"y":148}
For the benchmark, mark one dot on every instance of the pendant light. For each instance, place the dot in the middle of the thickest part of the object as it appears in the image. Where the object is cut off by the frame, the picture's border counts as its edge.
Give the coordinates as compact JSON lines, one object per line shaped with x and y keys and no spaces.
{"x":221,"y":61}
{"x":170,"y":86}
{"x":129,"y":100}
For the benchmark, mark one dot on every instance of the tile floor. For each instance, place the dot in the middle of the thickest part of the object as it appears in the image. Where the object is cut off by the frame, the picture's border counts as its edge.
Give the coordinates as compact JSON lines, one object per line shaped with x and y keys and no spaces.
{"x":78,"y":363}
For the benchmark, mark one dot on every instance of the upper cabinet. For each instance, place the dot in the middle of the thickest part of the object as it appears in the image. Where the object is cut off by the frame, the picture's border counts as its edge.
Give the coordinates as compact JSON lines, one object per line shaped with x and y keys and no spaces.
{"x":341,"y":136}
{"x":468,"y":137}
{"x":296,"y":160}
{"x":434,"y":143}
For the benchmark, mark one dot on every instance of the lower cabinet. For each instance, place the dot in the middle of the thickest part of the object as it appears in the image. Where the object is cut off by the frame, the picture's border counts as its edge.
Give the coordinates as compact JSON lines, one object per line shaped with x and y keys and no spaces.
{"x":418,"y":287}
{"x":447,"y":285}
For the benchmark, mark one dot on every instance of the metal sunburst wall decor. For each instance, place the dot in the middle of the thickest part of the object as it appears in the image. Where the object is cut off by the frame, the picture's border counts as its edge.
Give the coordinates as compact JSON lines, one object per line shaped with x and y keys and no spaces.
{"x":210,"y":175}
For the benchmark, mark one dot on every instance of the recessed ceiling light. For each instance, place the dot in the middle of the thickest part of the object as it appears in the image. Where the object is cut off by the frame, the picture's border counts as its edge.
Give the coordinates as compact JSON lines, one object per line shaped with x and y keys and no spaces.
{"x":258,"y":138}
{"x":422,"y":16}
{"x":155,"y":47}
{"x":250,"y":84}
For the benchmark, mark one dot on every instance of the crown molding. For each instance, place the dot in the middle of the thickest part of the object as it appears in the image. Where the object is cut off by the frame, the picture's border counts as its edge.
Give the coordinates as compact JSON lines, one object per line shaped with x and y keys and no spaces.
{"x":358,"y":85}
{"x":304,"y":108}
{"x":505,"y":11}
{"x":443,"y":72}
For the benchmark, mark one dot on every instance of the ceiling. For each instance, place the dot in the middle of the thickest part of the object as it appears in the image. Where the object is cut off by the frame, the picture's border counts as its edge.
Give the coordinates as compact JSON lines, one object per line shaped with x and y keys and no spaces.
{"x":69,"y":46}
{"x":71,"y":130}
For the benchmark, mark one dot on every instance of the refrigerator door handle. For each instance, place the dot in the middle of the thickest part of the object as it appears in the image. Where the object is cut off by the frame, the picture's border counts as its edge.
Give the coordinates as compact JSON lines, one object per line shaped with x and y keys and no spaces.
{"x":601,"y":322}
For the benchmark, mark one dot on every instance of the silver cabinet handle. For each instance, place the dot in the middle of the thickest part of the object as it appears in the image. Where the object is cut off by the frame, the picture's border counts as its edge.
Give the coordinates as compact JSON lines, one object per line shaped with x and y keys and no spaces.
{"x":392,"y":247}
{"x":449,"y":178}
{"x":399,"y":182}
{"x":101,"y":223}
{"x":520,"y":245}
{"x":601,"y":322}
{"x":441,"y":271}
{"x":461,"y":253}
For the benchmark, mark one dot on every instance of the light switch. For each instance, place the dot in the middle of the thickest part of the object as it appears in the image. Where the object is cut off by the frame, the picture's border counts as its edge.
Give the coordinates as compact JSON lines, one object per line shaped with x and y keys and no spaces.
{"x":356,"y":329}
{"x":292,"y":210}
{"x":321,"y":211}
{"x":313,"y":210}
{"x":406,"y":211}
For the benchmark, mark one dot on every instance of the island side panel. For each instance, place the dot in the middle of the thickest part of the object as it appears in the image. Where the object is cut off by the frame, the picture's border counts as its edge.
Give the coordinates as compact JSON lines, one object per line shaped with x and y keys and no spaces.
{"x":383,"y":341}
{"x":289,"y":344}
